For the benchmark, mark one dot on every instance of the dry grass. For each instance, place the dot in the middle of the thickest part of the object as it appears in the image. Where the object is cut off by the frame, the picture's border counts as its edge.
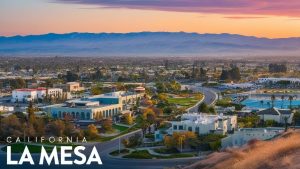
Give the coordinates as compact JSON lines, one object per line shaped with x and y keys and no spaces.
{"x":283,"y":152}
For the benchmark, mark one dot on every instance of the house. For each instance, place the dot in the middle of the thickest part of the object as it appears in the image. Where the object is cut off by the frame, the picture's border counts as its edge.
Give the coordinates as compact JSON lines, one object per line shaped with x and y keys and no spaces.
{"x":244,"y":135}
{"x":279,"y":115}
{"x":205,"y":123}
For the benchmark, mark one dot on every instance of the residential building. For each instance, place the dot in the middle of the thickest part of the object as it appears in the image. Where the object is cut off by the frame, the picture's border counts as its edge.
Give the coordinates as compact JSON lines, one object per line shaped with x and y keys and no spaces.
{"x":244,"y":135}
{"x":205,"y":123}
{"x":26,"y":95}
{"x":70,"y":87}
{"x":6,"y":108}
{"x":276,"y":80}
{"x":279,"y":115}
{"x":74,"y":87}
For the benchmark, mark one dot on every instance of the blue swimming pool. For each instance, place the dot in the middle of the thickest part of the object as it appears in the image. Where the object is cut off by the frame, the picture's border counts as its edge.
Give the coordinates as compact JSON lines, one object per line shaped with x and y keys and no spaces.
{"x":281,"y":104}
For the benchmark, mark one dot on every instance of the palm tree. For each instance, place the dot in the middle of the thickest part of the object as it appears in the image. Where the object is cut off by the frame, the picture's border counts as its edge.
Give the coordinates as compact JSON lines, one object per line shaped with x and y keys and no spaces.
{"x":268,"y":103}
{"x":261,"y":103}
{"x":273,"y":98}
{"x":285,"y":123}
{"x":282,"y":98}
{"x":291,"y":98}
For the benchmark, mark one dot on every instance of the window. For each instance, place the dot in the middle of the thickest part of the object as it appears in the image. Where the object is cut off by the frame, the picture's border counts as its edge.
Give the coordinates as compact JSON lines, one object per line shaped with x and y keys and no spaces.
{"x":88,"y":116}
{"x":190,"y":129}
{"x":82,"y":116}
{"x":175,"y":127}
{"x":180,"y":127}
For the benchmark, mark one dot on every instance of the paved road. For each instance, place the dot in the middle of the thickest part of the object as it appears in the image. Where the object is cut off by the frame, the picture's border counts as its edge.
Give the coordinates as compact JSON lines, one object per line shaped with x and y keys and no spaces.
{"x":210,"y":96}
{"x":108,"y":162}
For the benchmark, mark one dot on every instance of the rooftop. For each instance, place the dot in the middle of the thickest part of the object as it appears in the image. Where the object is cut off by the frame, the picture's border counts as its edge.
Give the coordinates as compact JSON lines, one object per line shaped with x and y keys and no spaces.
{"x":201,"y":118}
{"x":274,"y":111}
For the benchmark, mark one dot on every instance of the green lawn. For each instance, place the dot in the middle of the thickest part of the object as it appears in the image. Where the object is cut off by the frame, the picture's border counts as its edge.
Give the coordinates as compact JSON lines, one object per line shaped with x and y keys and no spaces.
{"x":184,"y":102}
{"x":128,"y":130}
{"x":120,"y":128}
{"x":116,"y":152}
{"x":140,"y":154}
{"x":166,"y":150}
{"x":144,"y":154}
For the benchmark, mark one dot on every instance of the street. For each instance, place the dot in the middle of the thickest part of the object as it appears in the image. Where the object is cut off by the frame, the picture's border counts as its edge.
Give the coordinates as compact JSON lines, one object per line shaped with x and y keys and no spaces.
{"x":108,"y":162}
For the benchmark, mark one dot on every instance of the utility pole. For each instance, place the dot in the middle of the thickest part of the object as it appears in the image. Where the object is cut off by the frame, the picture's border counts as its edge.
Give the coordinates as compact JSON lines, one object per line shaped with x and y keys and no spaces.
{"x":119,"y":145}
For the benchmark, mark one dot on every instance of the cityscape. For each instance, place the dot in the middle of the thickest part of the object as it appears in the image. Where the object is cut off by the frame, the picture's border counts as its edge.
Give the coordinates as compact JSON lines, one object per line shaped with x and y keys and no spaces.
{"x":152,"y":96}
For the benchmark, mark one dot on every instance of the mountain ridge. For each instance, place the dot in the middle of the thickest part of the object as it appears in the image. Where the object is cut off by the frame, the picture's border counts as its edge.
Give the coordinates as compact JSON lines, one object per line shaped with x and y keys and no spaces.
{"x":147,"y":44}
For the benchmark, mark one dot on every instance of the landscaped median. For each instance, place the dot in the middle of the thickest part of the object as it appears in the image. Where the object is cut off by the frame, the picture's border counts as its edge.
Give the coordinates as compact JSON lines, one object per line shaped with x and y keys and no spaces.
{"x":123,"y":131}
{"x":145,"y":154}
{"x":185,"y":100}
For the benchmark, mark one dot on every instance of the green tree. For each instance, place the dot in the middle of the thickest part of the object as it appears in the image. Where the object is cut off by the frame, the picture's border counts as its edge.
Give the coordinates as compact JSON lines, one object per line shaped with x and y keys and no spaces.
{"x":96,"y":90}
{"x":107,"y":125}
{"x":270,"y":123}
{"x":291,"y":98}
{"x":211,"y":110}
{"x":143,"y":123}
{"x":11,"y":127}
{"x":30,"y":112}
{"x":168,"y":110}
{"x":296,"y":118}
{"x":55,"y":128}
{"x":203,"y":108}
{"x":132,"y":141}
{"x":273,"y":98}
{"x":128,"y":118}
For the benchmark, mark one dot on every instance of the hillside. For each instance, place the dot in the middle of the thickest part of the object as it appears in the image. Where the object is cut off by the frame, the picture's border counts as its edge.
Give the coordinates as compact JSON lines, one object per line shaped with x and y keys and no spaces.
{"x":146,"y":44}
{"x":283,"y":152}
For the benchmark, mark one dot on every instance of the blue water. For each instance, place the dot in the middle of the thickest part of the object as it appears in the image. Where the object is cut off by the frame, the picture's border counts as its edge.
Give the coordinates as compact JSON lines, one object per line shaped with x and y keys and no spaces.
{"x":281,"y":104}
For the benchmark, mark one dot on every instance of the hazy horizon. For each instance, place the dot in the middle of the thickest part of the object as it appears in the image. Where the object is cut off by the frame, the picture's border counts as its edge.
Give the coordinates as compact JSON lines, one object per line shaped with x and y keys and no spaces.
{"x":204,"y":33}
{"x":279,"y":19}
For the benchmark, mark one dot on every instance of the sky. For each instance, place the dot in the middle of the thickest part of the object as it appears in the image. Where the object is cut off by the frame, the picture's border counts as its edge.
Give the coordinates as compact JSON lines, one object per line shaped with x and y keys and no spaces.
{"x":261,"y":18}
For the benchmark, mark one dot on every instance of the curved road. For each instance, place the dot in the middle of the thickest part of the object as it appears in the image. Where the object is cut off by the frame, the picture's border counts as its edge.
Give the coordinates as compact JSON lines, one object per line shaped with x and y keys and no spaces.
{"x":209,"y":99}
{"x":210,"y":95}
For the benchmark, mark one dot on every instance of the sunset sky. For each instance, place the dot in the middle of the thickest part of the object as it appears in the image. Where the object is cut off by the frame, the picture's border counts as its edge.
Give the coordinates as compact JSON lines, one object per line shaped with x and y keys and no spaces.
{"x":262,"y":18}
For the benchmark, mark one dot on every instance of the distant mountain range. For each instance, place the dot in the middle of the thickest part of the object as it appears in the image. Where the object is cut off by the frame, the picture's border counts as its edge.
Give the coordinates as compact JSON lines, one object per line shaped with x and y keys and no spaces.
{"x":146,"y":44}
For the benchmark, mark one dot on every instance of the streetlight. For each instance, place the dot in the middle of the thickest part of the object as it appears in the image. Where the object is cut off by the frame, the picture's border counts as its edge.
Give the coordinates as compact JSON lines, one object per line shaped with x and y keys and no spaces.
{"x":181,"y":140}
{"x":119,"y":145}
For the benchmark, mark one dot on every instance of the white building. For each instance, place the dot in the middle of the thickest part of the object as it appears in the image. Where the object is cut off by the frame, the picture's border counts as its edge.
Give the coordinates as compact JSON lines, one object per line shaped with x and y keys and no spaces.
{"x":25,"y":95}
{"x":6,"y":108}
{"x":244,"y":135}
{"x":204,"y":123}
{"x":55,"y":92}
{"x":238,"y":85}
{"x":278,"y":115}
{"x":275,"y":80}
